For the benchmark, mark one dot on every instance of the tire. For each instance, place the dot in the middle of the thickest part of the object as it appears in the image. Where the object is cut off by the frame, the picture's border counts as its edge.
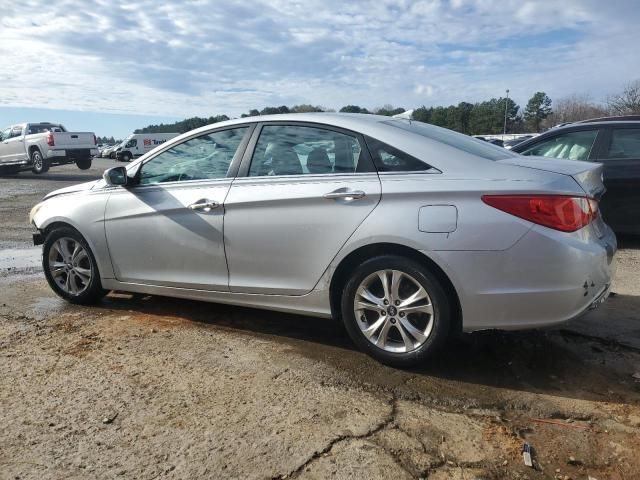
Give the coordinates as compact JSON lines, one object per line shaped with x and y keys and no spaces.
{"x":112,"y":156}
{"x":388,"y":332}
{"x":39,"y":164}
{"x":72,"y":274}
{"x":84,"y":164}
{"x":126,"y":157}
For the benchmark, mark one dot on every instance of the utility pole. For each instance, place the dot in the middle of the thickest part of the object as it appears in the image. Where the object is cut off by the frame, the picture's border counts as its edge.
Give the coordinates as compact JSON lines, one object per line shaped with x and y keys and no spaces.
{"x":506,"y":105}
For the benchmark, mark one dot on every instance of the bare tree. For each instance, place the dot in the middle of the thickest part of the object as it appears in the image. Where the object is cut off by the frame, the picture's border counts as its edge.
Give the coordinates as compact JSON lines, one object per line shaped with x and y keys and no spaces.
{"x":627,"y":102}
{"x":575,"y":108}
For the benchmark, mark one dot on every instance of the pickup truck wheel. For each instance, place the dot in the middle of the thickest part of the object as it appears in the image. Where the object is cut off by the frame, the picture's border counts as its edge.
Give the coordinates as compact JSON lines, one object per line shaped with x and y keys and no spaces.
{"x":39,"y":164}
{"x":84,"y":164}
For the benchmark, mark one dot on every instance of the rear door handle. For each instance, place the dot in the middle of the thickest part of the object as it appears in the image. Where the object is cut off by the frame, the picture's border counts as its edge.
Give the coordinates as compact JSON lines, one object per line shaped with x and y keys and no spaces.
{"x":204,"y":204}
{"x":345,"y":194}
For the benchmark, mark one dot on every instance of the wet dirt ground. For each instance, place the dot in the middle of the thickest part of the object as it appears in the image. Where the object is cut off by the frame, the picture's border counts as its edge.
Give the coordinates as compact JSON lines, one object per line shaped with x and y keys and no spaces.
{"x":150,"y":387}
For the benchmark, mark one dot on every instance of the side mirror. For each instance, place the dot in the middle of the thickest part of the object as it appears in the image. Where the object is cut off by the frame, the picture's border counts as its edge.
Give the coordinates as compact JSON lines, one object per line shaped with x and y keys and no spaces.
{"x":115,"y":176}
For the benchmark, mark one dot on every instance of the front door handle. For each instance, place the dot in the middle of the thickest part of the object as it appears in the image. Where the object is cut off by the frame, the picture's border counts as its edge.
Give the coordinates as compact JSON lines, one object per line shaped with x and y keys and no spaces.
{"x":345,"y":194}
{"x":204,"y":204}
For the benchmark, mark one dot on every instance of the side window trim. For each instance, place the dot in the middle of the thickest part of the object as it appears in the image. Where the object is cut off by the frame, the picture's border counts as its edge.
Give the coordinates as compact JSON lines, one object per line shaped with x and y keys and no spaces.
{"x":245,"y":164}
{"x":231,"y":172}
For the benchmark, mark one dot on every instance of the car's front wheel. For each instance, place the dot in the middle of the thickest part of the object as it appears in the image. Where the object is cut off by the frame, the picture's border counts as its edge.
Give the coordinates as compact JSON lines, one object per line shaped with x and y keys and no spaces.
{"x":70,"y":267}
{"x":395,"y":310}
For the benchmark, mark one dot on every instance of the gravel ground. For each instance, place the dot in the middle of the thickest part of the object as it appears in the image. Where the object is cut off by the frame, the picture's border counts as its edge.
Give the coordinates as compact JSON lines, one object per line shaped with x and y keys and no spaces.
{"x":150,"y":387}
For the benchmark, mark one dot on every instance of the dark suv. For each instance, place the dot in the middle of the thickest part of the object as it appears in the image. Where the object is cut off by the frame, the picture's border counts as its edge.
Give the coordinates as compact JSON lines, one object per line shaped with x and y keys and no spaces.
{"x":612,"y":141}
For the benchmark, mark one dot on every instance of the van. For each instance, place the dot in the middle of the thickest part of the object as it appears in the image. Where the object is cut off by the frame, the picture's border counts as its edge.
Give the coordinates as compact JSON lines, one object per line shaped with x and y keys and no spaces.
{"x":138,"y":144}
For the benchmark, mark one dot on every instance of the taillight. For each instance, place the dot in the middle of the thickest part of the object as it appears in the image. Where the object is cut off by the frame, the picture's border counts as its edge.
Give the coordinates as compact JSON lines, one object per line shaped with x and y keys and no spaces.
{"x":95,"y":140}
{"x":50,"y":141}
{"x":559,"y":212}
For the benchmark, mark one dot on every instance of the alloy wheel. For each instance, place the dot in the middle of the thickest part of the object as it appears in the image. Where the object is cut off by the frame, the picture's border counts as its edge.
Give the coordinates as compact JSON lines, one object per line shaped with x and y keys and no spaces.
{"x":394,"y":311}
{"x":70,"y":266}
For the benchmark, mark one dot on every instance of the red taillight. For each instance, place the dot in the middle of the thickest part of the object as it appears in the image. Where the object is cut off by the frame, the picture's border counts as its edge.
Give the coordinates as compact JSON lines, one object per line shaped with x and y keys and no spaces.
{"x":95,"y":140}
{"x":559,"y":212}
{"x":50,"y":141}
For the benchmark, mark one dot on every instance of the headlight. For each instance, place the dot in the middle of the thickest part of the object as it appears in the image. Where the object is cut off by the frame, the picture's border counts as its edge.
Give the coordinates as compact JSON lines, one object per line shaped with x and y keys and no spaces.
{"x":34,"y":210}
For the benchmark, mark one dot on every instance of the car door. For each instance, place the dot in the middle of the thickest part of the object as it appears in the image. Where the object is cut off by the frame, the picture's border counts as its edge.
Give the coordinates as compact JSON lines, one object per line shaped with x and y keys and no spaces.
{"x":167,"y":230}
{"x":302,"y":190}
{"x":13,"y":145}
{"x":620,"y":155}
{"x":4,"y":145}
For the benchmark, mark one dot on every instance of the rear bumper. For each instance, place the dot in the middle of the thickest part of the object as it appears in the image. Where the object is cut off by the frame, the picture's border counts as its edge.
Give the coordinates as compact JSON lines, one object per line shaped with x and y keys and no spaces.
{"x":72,"y":153}
{"x":546,"y":278}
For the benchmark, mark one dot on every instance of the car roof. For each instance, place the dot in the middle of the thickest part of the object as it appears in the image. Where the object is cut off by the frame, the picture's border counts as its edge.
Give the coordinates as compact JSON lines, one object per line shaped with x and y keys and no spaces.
{"x":350,"y":121}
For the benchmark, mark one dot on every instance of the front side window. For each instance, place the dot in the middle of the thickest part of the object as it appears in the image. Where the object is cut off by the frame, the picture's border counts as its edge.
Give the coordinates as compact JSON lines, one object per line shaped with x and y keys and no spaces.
{"x":624,"y":143}
{"x":131,"y":143}
{"x":6,"y":133}
{"x":571,"y":146}
{"x":200,"y":158}
{"x":299,"y":150}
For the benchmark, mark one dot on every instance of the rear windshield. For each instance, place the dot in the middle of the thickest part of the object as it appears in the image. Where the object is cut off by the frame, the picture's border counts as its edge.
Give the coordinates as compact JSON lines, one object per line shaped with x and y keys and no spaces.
{"x":44,"y":127}
{"x":454,"y":139}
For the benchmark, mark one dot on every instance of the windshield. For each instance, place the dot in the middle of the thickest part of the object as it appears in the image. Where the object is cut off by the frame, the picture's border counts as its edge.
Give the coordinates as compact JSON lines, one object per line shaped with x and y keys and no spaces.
{"x":453,"y":139}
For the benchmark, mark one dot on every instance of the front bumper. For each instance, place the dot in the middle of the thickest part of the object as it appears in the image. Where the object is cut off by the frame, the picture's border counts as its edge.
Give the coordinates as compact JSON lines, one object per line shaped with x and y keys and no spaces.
{"x":38,"y":238}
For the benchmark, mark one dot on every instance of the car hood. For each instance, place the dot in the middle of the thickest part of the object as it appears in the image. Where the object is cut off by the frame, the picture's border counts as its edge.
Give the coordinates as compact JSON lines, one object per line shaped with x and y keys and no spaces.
{"x":587,"y":174}
{"x":81,"y":187}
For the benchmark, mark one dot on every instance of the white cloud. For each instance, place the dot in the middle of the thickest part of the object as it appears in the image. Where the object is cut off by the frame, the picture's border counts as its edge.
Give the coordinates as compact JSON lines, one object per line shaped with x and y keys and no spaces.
{"x":207,"y":57}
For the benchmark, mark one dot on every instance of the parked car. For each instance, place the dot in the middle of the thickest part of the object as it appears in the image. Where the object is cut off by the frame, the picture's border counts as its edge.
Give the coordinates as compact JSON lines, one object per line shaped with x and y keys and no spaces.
{"x":405,"y":231}
{"x":41,"y":145}
{"x":614,"y":142}
{"x":138,"y":144}
{"x":107,"y":152}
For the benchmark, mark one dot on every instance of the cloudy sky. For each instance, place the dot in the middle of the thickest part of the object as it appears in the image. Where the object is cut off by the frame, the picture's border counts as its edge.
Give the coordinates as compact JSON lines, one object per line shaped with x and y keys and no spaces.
{"x":112,"y":66}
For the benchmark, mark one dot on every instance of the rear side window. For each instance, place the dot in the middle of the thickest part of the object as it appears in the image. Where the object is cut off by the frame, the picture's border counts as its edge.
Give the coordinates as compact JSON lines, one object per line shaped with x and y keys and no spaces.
{"x":571,"y":146}
{"x":301,"y":150}
{"x":624,"y":143}
{"x":389,"y":159}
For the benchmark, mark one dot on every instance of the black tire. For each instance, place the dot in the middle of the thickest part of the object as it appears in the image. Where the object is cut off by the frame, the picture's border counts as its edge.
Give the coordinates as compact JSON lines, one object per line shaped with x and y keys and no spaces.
{"x":84,"y":164}
{"x":126,"y":156}
{"x":439,"y":303}
{"x":39,"y":164}
{"x":93,"y":291}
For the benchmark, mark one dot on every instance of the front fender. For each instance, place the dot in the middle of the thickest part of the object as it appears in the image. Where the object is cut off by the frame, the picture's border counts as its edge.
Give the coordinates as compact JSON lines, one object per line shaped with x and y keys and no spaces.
{"x":85,"y":213}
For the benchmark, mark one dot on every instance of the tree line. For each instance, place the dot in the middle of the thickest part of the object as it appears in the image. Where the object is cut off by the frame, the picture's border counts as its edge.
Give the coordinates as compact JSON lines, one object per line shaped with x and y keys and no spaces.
{"x":486,"y":117}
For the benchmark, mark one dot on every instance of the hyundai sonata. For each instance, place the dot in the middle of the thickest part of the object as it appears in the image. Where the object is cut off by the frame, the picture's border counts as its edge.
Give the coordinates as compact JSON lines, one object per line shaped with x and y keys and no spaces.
{"x":406,"y":231}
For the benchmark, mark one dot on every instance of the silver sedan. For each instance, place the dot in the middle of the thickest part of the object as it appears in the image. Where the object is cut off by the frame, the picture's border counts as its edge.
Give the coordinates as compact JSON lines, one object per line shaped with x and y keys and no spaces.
{"x":406,"y":231}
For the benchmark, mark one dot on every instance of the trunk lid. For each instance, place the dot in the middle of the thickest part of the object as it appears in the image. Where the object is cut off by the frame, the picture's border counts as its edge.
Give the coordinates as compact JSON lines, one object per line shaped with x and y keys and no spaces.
{"x":73,"y":140}
{"x":588,"y":175}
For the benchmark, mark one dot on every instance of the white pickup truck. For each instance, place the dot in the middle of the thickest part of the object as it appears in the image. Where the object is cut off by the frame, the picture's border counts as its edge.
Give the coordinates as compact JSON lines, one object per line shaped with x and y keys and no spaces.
{"x":41,"y":145}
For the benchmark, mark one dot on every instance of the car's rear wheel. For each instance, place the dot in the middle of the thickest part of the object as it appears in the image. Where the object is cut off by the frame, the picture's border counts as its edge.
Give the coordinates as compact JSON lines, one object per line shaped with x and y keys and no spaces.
{"x":84,"y":163}
{"x":396,"y":310}
{"x":70,"y":267}
{"x":39,"y":164}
